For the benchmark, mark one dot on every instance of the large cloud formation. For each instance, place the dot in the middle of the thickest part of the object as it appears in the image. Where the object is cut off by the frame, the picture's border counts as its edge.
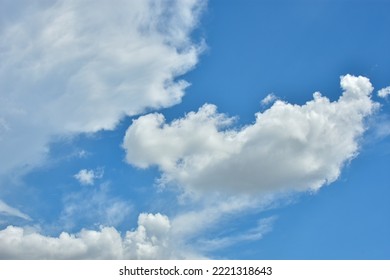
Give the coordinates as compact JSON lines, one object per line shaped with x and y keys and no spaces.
{"x":150,"y":240}
{"x":288,"y":147}
{"x":74,"y":66}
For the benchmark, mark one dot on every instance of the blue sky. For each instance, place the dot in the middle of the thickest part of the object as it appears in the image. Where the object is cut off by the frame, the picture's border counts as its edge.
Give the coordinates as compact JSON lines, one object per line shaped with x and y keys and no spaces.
{"x":191,"y":129}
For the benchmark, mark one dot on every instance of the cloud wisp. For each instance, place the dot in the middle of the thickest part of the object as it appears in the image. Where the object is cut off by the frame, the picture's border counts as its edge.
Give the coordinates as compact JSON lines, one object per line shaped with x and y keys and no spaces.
{"x":7,"y":210}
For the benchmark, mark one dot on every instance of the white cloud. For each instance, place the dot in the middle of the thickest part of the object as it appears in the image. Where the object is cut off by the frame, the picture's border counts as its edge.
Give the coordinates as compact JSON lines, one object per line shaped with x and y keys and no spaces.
{"x":77,"y":66}
{"x":87,"y":177}
{"x":384,"y":92}
{"x":270,"y":98}
{"x":288,"y":147}
{"x":150,"y":240}
{"x":5,"y":209}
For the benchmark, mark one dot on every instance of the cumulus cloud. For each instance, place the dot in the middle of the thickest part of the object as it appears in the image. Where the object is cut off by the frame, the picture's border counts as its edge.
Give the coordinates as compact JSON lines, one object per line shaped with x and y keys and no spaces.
{"x":75,"y":66}
{"x":384,"y":92}
{"x":288,"y":147}
{"x":5,"y":209}
{"x":87,"y":177}
{"x":150,"y":240}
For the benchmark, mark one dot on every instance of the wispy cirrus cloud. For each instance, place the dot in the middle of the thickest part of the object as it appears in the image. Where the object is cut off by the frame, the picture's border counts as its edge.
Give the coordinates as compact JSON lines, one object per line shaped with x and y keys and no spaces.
{"x":7,"y":210}
{"x":257,"y":232}
{"x":94,"y":206}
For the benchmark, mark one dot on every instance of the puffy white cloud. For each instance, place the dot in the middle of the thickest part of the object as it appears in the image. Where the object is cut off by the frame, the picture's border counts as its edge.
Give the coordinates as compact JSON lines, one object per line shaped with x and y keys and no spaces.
{"x":384,"y":92}
{"x":150,"y":240}
{"x":5,"y":209}
{"x":87,"y":177}
{"x":288,"y":147}
{"x":18,"y":243}
{"x":75,"y":66}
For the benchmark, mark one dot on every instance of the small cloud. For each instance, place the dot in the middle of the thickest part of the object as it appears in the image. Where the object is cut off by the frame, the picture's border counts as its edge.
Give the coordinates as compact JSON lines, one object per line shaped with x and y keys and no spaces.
{"x":87,"y":177}
{"x":270,"y":98}
{"x":82,"y":154}
{"x":384,"y":92}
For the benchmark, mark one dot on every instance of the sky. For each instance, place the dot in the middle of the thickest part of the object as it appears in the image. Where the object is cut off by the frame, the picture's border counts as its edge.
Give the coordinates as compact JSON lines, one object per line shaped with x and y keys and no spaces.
{"x":194,"y":129}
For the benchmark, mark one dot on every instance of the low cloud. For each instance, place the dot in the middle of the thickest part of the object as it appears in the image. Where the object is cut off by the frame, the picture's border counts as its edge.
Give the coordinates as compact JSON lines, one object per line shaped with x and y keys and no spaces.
{"x":150,"y":240}
{"x":288,"y":147}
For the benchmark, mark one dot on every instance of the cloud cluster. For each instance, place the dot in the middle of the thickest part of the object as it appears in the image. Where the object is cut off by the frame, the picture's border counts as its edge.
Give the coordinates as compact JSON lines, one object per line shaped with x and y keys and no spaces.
{"x":288,"y":147}
{"x":75,"y":66}
{"x":150,"y":240}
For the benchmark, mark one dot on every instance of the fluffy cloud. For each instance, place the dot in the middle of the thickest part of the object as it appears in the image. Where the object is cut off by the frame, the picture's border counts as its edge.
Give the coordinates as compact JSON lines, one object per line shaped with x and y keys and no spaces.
{"x":87,"y":177}
{"x":288,"y":147}
{"x":150,"y":240}
{"x":74,"y":66}
{"x":384,"y":92}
